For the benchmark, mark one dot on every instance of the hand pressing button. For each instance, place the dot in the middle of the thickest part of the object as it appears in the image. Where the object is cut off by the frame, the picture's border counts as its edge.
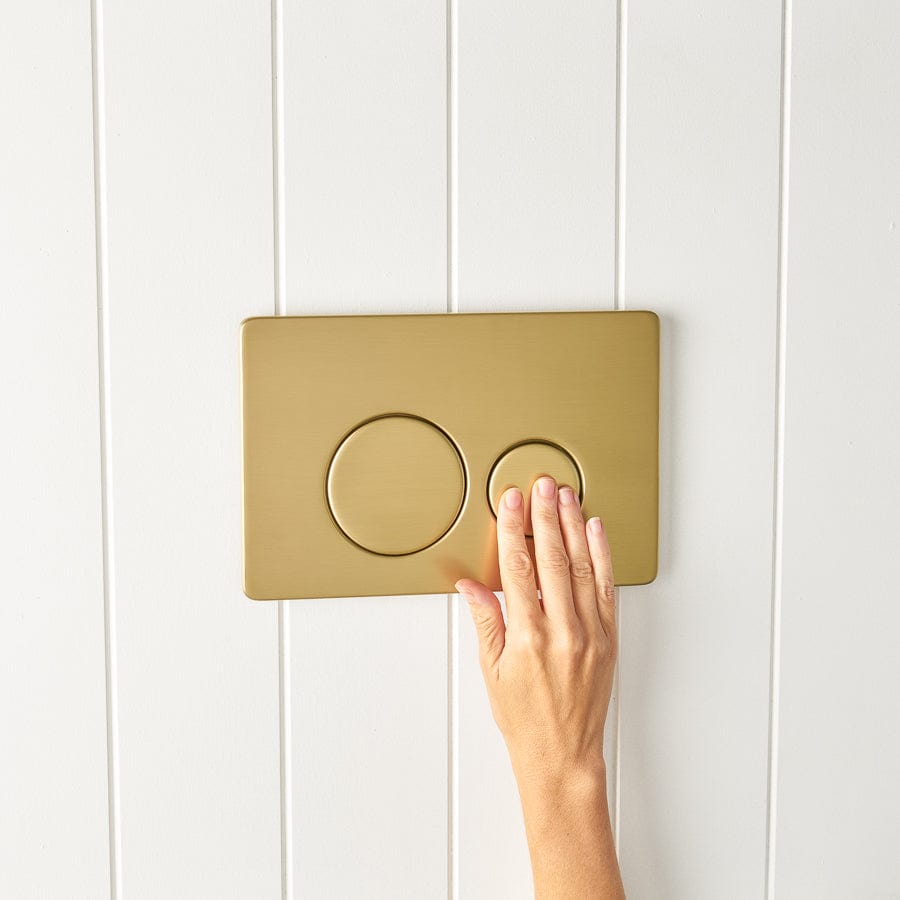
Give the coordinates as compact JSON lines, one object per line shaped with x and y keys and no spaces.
{"x":521,"y":465}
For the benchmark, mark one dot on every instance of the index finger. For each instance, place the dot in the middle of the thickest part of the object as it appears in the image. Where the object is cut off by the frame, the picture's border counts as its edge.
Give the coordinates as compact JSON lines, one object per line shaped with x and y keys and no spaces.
{"x":516,"y":566}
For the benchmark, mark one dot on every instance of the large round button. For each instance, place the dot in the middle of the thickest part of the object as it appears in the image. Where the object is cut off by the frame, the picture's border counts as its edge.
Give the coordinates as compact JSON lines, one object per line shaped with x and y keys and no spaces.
{"x":396,"y":485}
{"x":523,"y":464}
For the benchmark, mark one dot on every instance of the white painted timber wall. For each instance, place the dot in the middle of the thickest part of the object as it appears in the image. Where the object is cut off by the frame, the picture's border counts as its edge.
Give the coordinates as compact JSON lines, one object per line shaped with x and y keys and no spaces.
{"x":169,"y":168}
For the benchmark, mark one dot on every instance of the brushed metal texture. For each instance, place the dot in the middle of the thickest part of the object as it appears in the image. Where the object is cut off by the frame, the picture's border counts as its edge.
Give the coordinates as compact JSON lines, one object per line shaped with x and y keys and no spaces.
{"x":395,"y":485}
{"x":351,"y":425}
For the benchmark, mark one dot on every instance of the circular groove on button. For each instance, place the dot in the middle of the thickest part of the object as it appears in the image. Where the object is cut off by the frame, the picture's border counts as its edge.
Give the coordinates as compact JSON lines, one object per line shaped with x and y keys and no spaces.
{"x":522,"y":464}
{"x":396,"y":484}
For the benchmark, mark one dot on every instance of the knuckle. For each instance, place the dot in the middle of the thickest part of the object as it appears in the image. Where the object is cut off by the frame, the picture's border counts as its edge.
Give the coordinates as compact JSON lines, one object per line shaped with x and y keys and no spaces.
{"x":544,"y":513}
{"x":582,"y":570}
{"x":488,"y":627}
{"x":510,"y":523}
{"x":597,"y":647}
{"x":554,"y":560}
{"x":569,"y":642}
{"x":608,"y":591}
{"x":518,"y":563}
{"x":531,"y":640}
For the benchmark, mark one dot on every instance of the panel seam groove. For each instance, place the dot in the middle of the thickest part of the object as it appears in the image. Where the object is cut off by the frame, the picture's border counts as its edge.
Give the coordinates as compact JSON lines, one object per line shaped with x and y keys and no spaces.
{"x":98,"y":111}
{"x":778,"y":463}
{"x":278,"y":200}
{"x":618,"y":304}
{"x":285,"y":742}
{"x":452,"y":174}
{"x":621,"y":97}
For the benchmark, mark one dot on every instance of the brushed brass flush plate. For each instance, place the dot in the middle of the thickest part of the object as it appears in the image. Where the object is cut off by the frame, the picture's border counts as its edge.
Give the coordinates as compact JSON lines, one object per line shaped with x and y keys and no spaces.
{"x":375,"y":447}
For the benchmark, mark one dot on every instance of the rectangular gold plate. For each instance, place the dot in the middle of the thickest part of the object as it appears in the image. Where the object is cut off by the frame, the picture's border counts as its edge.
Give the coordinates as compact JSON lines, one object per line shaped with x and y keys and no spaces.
{"x":425,"y":390}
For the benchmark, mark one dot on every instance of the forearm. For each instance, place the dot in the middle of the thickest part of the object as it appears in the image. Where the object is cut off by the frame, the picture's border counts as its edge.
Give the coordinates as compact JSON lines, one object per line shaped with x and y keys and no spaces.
{"x":549,"y":672}
{"x":570,"y":837}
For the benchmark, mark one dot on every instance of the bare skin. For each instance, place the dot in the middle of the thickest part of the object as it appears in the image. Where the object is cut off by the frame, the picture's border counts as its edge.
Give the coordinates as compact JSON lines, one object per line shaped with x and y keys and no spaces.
{"x":549,"y":672}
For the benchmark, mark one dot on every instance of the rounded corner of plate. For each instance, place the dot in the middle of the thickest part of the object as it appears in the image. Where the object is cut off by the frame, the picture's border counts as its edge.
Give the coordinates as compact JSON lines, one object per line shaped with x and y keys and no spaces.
{"x":650,"y":576}
{"x":246,"y":321}
{"x":252,"y":591}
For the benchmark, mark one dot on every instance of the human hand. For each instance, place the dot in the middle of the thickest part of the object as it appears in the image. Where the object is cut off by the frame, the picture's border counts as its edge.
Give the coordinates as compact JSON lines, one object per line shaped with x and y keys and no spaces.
{"x":549,"y":671}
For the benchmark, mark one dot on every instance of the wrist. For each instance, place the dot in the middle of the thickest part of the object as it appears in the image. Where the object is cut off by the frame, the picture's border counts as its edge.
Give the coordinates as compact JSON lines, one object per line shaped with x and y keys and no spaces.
{"x":579,"y":789}
{"x":557,"y":775}
{"x":569,"y":833}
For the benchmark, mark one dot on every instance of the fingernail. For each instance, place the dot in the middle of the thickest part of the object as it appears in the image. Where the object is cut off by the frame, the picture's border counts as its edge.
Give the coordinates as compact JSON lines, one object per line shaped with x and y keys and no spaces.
{"x":513,"y":498}
{"x":464,"y":591}
{"x":595,"y":525}
{"x":546,"y":486}
{"x":566,"y":496}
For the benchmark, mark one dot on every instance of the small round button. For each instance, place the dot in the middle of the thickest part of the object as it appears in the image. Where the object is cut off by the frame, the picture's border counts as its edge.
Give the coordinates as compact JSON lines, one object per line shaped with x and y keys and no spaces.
{"x":523,"y":464}
{"x":396,"y":484}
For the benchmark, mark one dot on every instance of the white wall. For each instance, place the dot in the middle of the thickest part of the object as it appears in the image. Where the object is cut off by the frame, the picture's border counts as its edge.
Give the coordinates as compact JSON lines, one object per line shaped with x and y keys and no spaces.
{"x":168,"y":169}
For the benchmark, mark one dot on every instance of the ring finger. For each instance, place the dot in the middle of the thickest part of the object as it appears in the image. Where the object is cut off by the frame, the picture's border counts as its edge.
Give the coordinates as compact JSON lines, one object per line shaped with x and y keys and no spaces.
{"x":584,"y":588}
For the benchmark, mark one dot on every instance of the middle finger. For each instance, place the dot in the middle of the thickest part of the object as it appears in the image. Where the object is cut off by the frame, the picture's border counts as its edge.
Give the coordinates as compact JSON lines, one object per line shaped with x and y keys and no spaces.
{"x":550,"y":555}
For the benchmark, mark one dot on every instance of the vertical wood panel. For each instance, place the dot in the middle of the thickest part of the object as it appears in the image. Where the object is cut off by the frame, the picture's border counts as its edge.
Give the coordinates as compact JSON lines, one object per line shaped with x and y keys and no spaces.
{"x":702,"y":167}
{"x":837,"y":828}
{"x":536,"y":221}
{"x":188,"y":89}
{"x":365,"y":232}
{"x":54,"y":838}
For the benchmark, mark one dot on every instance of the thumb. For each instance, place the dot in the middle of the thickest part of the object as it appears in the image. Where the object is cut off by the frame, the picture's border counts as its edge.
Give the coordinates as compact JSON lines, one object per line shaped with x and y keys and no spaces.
{"x":488,"y":618}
